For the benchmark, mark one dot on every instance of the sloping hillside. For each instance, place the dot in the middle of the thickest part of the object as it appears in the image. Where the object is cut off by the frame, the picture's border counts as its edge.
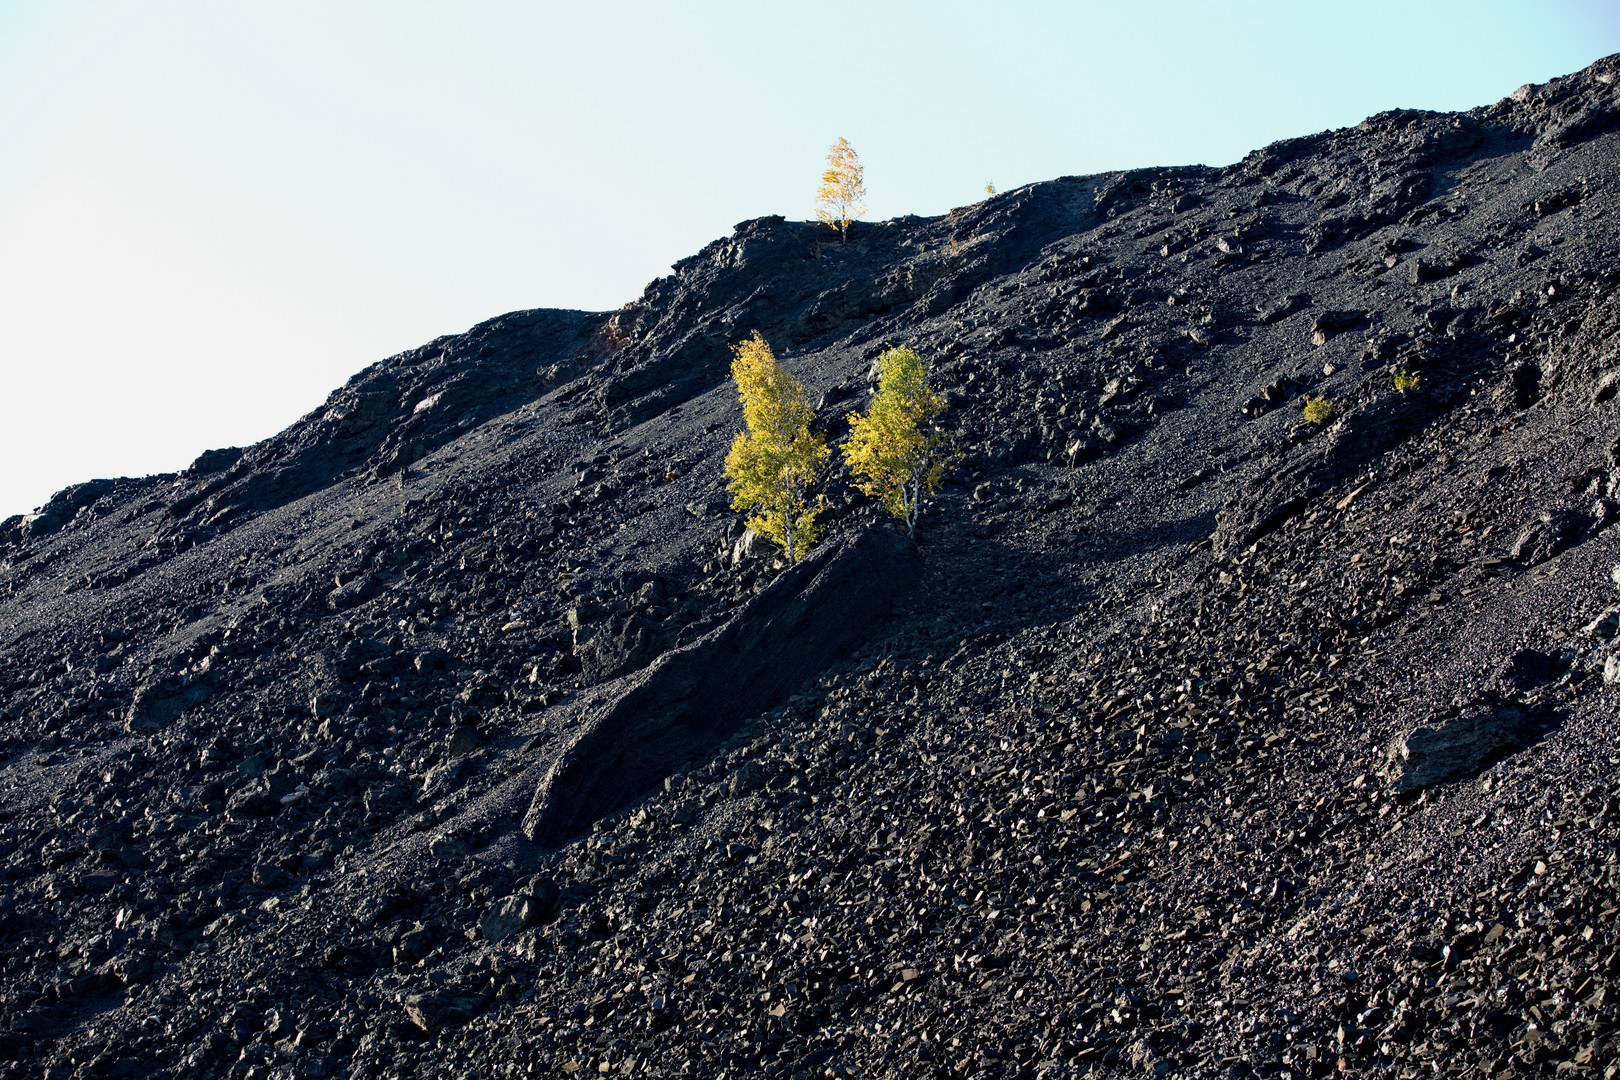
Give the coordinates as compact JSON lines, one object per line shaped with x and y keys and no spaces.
{"x":456,"y":731}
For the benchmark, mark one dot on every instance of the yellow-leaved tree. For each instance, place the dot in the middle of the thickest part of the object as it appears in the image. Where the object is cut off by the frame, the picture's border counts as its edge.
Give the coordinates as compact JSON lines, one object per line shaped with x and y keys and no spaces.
{"x":895,"y":449}
{"x":771,"y":465}
{"x":843,"y":186}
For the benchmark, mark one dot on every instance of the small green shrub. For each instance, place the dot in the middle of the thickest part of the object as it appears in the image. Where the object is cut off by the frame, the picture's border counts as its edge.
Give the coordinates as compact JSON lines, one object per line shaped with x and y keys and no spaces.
{"x":1319,"y":410}
{"x":1407,"y":380}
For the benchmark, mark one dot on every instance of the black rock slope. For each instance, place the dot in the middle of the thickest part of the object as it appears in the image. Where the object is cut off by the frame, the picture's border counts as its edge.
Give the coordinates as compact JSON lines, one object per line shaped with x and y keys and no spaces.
{"x":459,"y":731}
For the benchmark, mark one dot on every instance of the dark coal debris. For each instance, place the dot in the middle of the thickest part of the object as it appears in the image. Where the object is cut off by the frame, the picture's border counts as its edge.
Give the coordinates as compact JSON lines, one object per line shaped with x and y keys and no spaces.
{"x":459,"y":730}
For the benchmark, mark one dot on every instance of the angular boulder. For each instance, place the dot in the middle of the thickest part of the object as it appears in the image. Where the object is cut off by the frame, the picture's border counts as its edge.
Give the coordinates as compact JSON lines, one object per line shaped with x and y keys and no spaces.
{"x":1457,"y":748}
{"x":510,"y":914}
{"x":159,"y":704}
{"x":435,"y":1012}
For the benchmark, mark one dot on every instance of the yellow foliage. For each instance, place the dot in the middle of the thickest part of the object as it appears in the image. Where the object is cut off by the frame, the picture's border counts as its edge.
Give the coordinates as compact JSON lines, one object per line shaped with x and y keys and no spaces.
{"x":771,"y":464}
{"x":843,"y":186}
{"x":1407,"y":380}
{"x":1319,"y":410}
{"x":894,"y":449}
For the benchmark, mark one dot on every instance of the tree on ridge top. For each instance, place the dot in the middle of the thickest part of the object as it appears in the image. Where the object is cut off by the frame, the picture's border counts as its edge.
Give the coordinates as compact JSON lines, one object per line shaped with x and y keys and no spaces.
{"x":843,"y":186}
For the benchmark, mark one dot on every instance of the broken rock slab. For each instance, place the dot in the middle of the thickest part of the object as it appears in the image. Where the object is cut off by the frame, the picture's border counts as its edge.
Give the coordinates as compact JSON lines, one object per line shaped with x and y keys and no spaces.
{"x":434,"y":1012}
{"x":157,"y":705}
{"x":511,"y":914}
{"x":1457,"y":748}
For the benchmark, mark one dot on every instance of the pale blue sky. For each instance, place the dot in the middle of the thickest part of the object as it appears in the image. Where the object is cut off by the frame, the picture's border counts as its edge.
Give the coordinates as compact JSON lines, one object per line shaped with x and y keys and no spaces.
{"x":213,"y":213}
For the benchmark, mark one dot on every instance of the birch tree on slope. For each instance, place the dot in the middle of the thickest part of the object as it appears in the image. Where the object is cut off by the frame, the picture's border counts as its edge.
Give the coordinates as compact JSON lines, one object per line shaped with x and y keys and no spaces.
{"x":895,"y":449}
{"x":770,"y":466}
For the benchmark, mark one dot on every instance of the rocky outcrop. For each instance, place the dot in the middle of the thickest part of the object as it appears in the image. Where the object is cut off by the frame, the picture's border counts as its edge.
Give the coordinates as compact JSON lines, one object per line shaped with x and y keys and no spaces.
{"x":676,"y":712}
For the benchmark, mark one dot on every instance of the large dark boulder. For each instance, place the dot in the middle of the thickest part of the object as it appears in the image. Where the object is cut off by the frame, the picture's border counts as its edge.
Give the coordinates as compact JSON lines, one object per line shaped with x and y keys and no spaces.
{"x":690,"y":699}
{"x":158,"y":704}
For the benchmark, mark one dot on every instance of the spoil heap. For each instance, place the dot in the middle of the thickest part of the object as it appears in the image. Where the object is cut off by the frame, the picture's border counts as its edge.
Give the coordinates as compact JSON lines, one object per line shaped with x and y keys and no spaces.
{"x":458,"y":731}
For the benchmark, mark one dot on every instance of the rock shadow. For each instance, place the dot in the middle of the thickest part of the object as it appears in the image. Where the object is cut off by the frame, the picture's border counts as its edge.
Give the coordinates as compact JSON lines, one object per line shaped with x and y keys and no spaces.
{"x":689,"y":700}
